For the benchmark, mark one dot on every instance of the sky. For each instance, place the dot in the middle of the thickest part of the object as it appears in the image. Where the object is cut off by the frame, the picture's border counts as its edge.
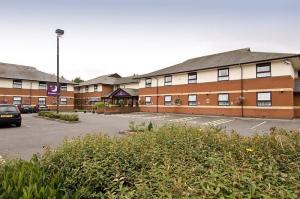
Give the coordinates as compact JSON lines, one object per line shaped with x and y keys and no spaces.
{"x":140,"y":36}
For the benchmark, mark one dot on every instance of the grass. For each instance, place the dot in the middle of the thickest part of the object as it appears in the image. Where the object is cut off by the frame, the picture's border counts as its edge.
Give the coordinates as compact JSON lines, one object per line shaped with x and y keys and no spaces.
{"x":169,"y":162}
{"x":60,"y":116}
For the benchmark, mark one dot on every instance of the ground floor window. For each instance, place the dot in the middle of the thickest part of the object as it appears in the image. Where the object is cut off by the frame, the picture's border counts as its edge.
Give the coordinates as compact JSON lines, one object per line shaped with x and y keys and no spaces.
{"x":264,"y":99}
{"x":223,"y":99}
{"x":17,"y":100}
{"x":168,"y":100}
{"x":63,"y":101}
{"x":42,"y":101}
{"x":192,"y":100}
{"x":148,"y":100}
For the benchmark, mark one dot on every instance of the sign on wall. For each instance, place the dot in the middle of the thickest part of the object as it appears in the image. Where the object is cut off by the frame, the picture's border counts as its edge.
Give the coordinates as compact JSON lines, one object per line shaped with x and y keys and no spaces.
{"x":53,"y":89}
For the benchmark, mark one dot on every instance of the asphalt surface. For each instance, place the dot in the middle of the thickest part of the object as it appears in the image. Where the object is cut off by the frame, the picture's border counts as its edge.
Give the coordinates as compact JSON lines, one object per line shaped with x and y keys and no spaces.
{"x":36,"y":132}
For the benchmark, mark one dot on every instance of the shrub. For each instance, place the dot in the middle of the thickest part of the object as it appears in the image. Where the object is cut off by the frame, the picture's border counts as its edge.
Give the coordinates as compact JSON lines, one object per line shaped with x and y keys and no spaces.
{"x":99,"y":105}
{"x":61,"y":116}
{"x":171,"y":162}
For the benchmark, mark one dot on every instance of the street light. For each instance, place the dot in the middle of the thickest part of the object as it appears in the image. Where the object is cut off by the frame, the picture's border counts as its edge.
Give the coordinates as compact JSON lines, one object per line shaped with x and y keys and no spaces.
{"x":59,"y":33}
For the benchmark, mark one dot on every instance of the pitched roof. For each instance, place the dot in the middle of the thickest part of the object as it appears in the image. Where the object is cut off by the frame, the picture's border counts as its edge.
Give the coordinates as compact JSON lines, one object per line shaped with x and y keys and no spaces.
{"x":130,"y":91}
{"x":230,"y":58}
{"x":129,"y":79}
{"x":14,"y":71}
{"x":104,"y":79}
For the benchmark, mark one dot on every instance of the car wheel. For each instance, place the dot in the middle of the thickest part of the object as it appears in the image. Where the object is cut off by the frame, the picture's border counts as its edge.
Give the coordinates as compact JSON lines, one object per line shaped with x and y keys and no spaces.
{"x":18,"y":124}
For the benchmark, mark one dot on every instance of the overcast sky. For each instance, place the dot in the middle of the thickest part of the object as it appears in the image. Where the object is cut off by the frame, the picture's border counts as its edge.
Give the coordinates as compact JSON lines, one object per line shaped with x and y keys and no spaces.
{"x":140,"y":36}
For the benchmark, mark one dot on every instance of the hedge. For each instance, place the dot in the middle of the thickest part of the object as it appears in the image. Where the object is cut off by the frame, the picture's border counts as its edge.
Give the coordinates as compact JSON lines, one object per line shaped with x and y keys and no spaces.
{"x":61,"y":116}
{"x":169,"y":162}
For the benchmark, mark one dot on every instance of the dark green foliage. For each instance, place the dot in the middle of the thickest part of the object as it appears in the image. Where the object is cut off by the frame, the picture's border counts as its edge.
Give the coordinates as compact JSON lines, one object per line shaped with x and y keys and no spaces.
{"x":171,"y":162}
{"x":61,"y":116}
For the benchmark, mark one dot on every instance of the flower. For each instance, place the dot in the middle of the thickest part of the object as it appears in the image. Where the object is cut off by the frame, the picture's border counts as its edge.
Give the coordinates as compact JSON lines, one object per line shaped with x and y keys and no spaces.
{"x":249,"y":150}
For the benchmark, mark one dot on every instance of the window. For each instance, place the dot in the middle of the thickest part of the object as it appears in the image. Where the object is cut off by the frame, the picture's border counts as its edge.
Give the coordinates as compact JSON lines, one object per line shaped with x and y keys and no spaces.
{"x":192,"y":77}
{"x":192,"y":100}
{"x":148,"y":100}
{"x":17,"y":100}
{"x":223,"y":99}
{"x":42,"y":101}
{"x":263,"y":70}
{"x":168,"y":100}
{"x":264,"y":99}
{"x":63,"y":87}
{"x":168,"y":80}
{"x":42,"y":85}
{"x":17,"y":83}
{"x":223,"y":74}
{"x":148,"y":82}
{"x":63,"y":100}
{"x":86,"y":88}
{"x":95,"y":88}
{"x":299,"y":73}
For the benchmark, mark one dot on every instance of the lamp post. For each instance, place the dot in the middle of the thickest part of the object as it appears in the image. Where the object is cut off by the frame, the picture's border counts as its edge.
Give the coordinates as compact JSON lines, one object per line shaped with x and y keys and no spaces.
{"x":59,"y":33}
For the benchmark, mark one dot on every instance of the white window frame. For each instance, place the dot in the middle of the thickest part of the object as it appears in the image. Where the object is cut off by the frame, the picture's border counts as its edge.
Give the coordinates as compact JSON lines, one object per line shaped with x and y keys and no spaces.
{"x":148,"y":82}
{"x":264,"y":99}
{"x":95,"y":88}
{"x":42,"y":85}
{"x":192,"y":78}
{"x":263,"y":70}
{"x":17,"y":99}
{"x":86,"y":89}
{"x":63,"y":101}
{"x":192,"y":102}
{"x":168,"y":82}
{"x":17,"y":83}
{"x":44,"y":100}
{"x":63,"y":87}
{"x":148,"y":100}
{"x":168,"y":102}
{"x":223,"y":102}
{"x":222,"y":77}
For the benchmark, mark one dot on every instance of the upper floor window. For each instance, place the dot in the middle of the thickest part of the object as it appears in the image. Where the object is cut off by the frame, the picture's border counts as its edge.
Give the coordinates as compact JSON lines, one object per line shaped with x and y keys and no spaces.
{"x":192,"y":77}
{"x":63,"y":87}
{"x":168,"y":100}
{"x":63,"y":101}
{"x":42,"y":101}
{"x":86,"y":88}
{"x":95,"y":88}
{"x":223,"y":74}
{"x":17,"y":100}
{"x":148,"y":82}
{"x":192,"y":100}
{"x":264,"y":99}
{"x":263,"y":70}
{"x":17,"y":83}
{"x":223,"y":99}
{"x":299,"y":73}
{"x":148,"y":100}
{"x":42,"y":85}
{"x":168,"y":80}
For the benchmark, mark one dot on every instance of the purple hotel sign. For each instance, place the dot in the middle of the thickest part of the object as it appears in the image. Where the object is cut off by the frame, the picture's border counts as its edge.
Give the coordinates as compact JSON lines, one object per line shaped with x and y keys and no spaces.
{"x":121,"y":93}
{"x":52,"y":89}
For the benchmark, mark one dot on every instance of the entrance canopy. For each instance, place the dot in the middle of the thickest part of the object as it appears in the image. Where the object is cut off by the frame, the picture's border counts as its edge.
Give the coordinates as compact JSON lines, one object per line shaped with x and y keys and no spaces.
{"x":123,"y":93}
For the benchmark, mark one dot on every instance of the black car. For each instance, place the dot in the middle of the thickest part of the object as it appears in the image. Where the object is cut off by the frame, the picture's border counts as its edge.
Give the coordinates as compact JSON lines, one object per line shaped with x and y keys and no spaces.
{"x":10,"y":114}
{"x":26,"y":109}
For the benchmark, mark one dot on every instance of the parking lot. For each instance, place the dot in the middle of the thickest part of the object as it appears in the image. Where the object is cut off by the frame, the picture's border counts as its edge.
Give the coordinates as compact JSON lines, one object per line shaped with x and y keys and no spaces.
{"x":36,"y":132}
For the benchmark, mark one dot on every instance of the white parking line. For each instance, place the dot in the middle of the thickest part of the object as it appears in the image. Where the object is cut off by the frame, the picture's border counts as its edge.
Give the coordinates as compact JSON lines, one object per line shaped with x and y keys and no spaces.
{"x":184,"y":119}
{"x":217,"y":122}
{"x":253,"y":127}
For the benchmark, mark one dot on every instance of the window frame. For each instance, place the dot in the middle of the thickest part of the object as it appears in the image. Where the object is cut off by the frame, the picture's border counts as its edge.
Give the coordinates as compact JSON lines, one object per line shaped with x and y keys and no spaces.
{"x":147,"y":85}
{"x":168,"y":83}
{"x":17,"y":85}
{"x":195,"y":80}
{"x":222,"y":101}
{"x":17,"y":100}
{"x":42,"y":87}
{"x":39,"y":101}
{"x":86,"y":88}
{"x":64,"y":102}
{"x":95,"y":88}
{"x":192,"y":103}
{"x":220,"y":77}
{"x":64,"y":87}
{"x":263,"y":101}
{"x":149,"y":102}
{"x":168,"y":103}
{"x":262,"y":72}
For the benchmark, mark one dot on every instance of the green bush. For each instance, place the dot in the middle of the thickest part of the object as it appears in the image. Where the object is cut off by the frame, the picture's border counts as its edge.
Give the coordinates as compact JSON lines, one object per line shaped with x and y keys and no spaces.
{"x":171,"y":162}
{"x":99,"y":105}
{"x":61,"y":116}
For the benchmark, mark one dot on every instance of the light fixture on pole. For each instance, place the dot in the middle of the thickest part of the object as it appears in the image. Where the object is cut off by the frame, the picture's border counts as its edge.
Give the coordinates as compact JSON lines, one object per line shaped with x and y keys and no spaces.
{"x":59,"y":33}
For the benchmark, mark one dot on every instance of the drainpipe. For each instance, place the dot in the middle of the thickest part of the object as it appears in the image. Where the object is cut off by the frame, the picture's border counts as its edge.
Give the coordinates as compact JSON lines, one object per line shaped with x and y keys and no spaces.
{"x":156,"y":95}
{"x":242,"y":90}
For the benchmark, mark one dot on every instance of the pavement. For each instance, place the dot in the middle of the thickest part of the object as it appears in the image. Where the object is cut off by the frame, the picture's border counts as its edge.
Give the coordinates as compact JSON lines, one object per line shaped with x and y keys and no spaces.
{"x":35,"y":133}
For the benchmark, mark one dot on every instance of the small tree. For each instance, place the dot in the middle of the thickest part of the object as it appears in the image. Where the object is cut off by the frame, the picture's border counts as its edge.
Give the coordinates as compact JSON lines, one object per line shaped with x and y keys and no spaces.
{"x":77,"y":80}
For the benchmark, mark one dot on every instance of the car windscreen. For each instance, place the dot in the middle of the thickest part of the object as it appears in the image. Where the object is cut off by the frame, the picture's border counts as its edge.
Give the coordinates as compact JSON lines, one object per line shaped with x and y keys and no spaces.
{"x":8,"y":109}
